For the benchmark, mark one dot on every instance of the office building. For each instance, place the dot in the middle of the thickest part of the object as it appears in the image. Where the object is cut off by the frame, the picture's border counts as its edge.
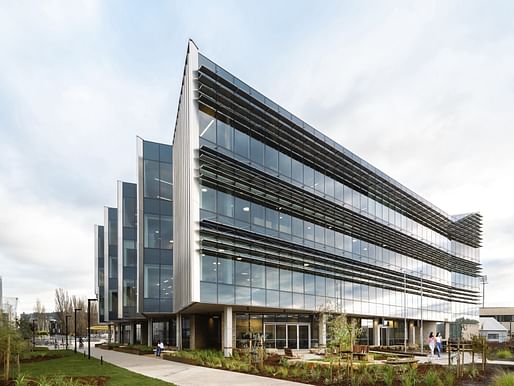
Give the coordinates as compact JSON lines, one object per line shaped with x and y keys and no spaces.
{"x":253,"y":223}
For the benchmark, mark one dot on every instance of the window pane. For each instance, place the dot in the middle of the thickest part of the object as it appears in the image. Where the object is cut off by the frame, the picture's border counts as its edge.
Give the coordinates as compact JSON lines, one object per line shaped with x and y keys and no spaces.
{"x":320,"y":286}
{"x":308,"y":230}
{"x":225,"y":133}
{"x":298,"y":282}
{"x":151,"y":179}
{"x":225,"y":204}
{"x":242,"y":210}
{"x":225,"y":271}
{"x":310,"y":284}
{"x":308,"y":176}
{"x":166,"y":181}
{"x":166,"y":232}
{"x":257,"y":214}
{"x":285,"y":280}
{"x":151,"y":277}
{"x":208,"y":199}
{"x":329,"y":186}
{"x":242,"y":273}
{"x":271,"y":278}
{"x":241,"y":144}
{"x":271,"y":158}
{"x":271,"y":219}
{"x":297,"y":170}
{"x":207,"y":127}
{"x":338,"y":191}
{"x":256,"y":151}
{"x":285,"y":165}
{"x":319,"y":182}
{"x":285,"y":223}
{"x":297,"y":227}
{"x":151,"y":231}
{"x":319,"y":234}
{"x":209,"y":268}
{"x":258,"y":277}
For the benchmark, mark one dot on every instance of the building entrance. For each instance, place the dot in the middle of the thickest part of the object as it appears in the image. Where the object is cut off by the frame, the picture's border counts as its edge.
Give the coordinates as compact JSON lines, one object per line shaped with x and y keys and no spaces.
{"x":290,"y":335}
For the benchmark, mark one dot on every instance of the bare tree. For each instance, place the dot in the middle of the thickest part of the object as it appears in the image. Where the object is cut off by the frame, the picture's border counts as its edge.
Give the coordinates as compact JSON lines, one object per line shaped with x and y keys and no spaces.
{"x":41,"y":317}
{"x":63,"y":305}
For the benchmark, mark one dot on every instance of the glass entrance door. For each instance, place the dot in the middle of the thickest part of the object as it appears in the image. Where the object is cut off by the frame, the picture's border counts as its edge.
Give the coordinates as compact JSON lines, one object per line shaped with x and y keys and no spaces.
{"x":291,"y":335}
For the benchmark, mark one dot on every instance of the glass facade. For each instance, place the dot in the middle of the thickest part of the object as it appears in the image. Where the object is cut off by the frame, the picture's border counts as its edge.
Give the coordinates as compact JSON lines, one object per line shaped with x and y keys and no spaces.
{"x":328,"y":230}
{"x":111,"y":262}
{"x":100,"y":278}
{"x":156,"y":202}
{"x":127,"y":232}
{"x":281,"y":222}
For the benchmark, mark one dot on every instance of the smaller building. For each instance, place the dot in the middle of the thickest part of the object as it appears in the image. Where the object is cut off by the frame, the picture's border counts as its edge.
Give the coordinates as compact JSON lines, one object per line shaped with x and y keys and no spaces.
{"x":493,"y":330}
{"x":503,"y":315}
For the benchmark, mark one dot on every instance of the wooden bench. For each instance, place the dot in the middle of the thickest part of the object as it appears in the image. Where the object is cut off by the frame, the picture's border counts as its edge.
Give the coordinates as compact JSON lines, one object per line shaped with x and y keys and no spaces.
{"x":288,"y":353}
{"x":361,"y":351}
{"x":411,"y":362}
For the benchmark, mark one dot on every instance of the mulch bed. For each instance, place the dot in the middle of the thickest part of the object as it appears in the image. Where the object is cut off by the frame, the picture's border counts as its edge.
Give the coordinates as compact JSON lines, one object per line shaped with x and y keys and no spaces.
{"x":84,"y":380}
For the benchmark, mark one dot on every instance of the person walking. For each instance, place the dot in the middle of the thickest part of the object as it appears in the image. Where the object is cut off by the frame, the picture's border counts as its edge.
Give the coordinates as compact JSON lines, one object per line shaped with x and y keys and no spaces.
{"x":439,"y":344}
{"x":431,"y":344}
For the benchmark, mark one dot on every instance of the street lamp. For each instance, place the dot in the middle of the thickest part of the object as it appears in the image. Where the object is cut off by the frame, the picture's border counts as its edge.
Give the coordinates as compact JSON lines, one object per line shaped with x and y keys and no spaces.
{"x":76,"y":309}
{"x":33,"y":333}
{"x":404,"y":311}
{"x":89,"y":326}
{"x":66,"y":319}
{"x":484,"y":282}
{"x":421,"y":313}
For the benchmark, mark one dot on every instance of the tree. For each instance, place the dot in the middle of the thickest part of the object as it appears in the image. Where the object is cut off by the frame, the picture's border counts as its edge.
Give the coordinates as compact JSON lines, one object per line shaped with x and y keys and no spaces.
{"x":41,"y":317}
{"x":11,"y":345}
{"x":342,"y":336}
{"x":63,"y":305}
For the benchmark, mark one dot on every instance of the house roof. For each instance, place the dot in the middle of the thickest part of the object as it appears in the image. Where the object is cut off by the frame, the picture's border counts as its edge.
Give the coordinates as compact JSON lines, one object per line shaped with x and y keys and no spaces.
{"x":491,"y":324}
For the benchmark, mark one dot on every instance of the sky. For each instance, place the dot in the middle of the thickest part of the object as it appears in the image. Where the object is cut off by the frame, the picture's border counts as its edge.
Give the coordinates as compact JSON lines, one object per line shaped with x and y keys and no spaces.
{"x":422,"y":90}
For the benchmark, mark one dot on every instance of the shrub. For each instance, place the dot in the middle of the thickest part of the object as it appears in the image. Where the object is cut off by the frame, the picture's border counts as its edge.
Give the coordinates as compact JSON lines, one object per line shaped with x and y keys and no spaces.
{"x":503,"y":354}
{"x":282,"y":372}
{"x":503,"y":379}
{"x":409,"y":378}
{"x":449,"y":378}
{"x":388,"y":375}
{"x":432,"y":378}
{"x":473,"y":372}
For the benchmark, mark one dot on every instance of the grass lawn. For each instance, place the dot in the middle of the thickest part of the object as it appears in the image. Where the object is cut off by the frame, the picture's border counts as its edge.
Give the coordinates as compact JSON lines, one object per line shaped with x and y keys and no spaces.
{"x":77,"y":365}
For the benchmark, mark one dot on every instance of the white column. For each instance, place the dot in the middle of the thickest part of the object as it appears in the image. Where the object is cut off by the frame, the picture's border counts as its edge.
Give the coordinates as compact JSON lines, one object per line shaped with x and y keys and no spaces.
{"x":227,"y":331}
{"x":322,"y":330}
{"x":179,"y":331}
{"x":376,"y":332}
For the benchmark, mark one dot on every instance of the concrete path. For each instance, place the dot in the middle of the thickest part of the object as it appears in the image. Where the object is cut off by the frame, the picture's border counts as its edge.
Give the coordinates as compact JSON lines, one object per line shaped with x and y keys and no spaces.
{"x":182,"y":374}
{"x":467,"y":360}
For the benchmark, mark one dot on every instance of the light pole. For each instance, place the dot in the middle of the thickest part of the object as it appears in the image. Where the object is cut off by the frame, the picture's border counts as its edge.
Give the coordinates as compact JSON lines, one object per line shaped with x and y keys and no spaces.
{"x":404,"y":311}
{"x":66,"y":319}
{"x":421,"y":314}
{"x":76,"y":309}
{"x":484,"y":282}
{"x":33,"y":333}
{"x":89,"y":326}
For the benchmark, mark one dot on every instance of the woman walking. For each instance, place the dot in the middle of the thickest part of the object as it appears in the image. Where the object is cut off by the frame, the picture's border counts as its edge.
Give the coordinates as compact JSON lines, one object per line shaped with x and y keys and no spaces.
{"x":431,"y":344}
{"x":439,"y":344}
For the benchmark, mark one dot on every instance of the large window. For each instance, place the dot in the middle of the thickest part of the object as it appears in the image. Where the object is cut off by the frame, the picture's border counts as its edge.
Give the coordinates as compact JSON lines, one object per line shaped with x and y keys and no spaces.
{"x":151,"y":278}
{"x":152,"y":235}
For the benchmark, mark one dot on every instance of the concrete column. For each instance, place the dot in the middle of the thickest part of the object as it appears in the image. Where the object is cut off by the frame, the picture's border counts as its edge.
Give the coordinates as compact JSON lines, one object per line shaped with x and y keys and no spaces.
{"x":376,"y":332}
{"x":179,"y":331}
{"x":227,"y":331}
{"x":149,"y":334}
{"x":144,"y":334}
{"x":322,"y":330}
{"x":132,"y":333}
{"x":192,"y":329}
{"x":412,"y":333}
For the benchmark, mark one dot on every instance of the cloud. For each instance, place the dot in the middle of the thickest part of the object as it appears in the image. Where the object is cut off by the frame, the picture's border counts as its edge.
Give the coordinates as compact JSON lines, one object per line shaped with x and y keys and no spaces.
{"x":422,"y":91}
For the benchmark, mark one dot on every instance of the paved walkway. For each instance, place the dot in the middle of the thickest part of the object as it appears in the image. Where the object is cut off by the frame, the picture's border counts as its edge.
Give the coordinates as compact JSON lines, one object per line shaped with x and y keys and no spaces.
{"x":182,"y":374}
{"x":467,"y":360}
